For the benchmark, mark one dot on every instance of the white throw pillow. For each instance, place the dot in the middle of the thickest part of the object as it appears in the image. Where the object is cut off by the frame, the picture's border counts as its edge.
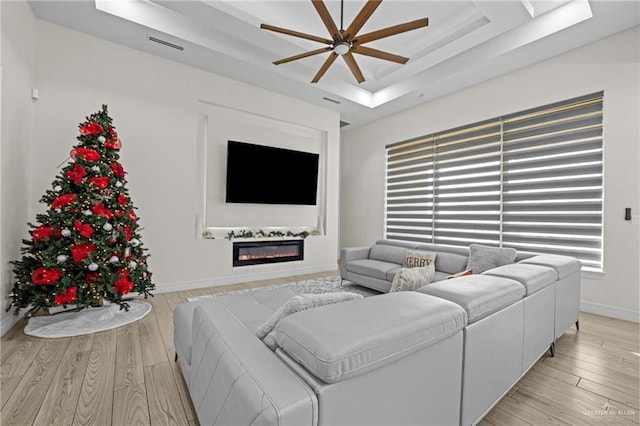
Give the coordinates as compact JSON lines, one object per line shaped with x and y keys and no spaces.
{"x":296,"y":304}
{"x":408,"y":279}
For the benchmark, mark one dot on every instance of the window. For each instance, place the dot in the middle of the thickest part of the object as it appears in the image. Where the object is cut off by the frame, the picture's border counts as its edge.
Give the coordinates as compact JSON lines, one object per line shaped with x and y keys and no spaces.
{"x":530,"y":180}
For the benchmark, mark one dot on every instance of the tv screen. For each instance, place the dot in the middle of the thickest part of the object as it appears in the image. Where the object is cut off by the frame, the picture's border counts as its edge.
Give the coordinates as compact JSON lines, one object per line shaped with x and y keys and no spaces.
{"x":268,"y":175}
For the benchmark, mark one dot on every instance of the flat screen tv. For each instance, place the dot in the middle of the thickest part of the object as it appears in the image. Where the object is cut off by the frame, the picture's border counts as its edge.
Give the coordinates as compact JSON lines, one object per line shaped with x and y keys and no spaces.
{"x":260,"y":174}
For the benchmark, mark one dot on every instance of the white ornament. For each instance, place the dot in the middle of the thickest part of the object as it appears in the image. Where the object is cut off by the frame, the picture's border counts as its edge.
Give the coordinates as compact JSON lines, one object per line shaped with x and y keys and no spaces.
{"x":127,"y":251}
{"x":132,"y":264}
{"x":92,"y":267}
{"x":114,"y":259}
{"x":107,"y":227}
{"x":61,"y":258}
{"x":102,"y":139}
{"x":95,"y":168}
{"x":118,"y":184}
{"x":65,"y":232}
{"x":134,"y":242}
{"x":57,"y":188}
{"x":87,"y":212}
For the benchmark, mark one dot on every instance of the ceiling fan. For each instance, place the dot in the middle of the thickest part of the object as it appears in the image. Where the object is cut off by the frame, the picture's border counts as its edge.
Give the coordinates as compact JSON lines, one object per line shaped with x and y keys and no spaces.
{"x":346,"y":42}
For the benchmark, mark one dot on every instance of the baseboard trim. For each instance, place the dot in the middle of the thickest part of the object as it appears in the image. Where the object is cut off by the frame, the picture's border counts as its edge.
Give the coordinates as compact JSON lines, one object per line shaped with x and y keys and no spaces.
{"x":214,"y":282}
{"x":7,"y":322}
{"x":610,"y":311}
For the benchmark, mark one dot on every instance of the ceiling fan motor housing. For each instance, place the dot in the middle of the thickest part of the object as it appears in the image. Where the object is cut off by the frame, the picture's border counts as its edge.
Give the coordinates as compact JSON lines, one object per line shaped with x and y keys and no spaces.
{"x":341,"y":47}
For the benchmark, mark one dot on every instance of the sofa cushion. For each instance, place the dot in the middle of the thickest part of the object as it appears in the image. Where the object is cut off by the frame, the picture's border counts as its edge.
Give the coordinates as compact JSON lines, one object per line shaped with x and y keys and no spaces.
{"x":412,"y":278}
{"x":564,"y":265}
{"x":479,"y":295}
{"x":482,"y":258}
{"x":451,"y":263}
{"x":419,"y":258}
{"x":387,"y":253}
{"x":299,"y":303}
{"x":532,"y":277}
{"x":336,"y":342}
{"x":371,"y":268}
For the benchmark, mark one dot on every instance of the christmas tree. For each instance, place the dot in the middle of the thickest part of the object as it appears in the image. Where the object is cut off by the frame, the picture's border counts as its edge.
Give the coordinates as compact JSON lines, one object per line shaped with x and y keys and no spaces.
{"x":86,"y":247}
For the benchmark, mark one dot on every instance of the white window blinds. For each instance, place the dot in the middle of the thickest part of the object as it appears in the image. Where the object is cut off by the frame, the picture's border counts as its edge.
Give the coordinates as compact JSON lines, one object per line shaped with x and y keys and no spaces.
{"x":530,"y":180}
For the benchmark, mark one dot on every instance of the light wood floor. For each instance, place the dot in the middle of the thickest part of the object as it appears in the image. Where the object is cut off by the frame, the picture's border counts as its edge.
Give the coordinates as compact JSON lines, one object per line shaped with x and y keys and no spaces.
{"x":127,"y":376}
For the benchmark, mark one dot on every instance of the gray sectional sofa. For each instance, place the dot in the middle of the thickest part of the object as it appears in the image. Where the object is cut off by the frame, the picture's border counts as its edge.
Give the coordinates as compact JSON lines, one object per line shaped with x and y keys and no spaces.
{"x":443,"y":354}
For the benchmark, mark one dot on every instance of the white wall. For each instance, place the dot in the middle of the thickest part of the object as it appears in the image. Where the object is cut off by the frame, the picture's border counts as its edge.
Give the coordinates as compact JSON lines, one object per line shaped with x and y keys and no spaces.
{"x":17,"y":63}
{"x":154,"y":105}
{"x":611,"y":65}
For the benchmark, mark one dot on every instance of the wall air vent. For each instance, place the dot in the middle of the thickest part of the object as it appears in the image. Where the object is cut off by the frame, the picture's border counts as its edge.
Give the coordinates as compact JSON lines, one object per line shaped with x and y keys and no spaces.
{"x":330,"y":100}
{"x":165,"y":43}
{"x":343,"y":123}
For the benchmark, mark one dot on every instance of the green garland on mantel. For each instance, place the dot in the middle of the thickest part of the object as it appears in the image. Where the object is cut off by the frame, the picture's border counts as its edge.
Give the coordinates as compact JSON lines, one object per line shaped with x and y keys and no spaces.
{"x":262,"y":234}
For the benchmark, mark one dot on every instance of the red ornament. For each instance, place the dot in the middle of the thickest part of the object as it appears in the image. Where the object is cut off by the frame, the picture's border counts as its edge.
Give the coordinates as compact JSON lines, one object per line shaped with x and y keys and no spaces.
{"x":77,"y":174}
{"x":44,"y":276}
{"x":86,"y":153}
{"x":64,"y":200}
{"x":84,"y":229}
{"x":91,"y":128}
{"x":127,"y":233}
{"x":99,"y":209}
{"x":132,"y":215}
{"x":91,"y":278}
{"x":42,"y":232}
{"x":80,"y":252}
{"x":122,"y":199}
{"x":123,"y":285}
{"x":114,"y":143}
{"x":100,"y":182}
{"x":117,"y":169}
{"x":69,"y":296}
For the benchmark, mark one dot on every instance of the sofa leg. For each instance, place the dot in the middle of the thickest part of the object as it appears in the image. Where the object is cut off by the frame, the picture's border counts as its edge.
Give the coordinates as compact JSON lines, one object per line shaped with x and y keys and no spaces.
{"x":578,"y":325}
{"x":341,"y":280}
{"x":552,"y":349}
{"x":176,"y":357}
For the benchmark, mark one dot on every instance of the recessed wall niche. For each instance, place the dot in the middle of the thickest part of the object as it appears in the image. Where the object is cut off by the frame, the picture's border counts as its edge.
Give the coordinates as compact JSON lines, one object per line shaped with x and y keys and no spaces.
{"x":219,"y":124}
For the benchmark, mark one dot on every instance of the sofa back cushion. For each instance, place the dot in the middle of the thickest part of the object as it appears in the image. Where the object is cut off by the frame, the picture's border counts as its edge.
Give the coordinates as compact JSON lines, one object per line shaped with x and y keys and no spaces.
{"x":387,"y":253}
{"x":483,"y":258}
{"x":451,"y":263}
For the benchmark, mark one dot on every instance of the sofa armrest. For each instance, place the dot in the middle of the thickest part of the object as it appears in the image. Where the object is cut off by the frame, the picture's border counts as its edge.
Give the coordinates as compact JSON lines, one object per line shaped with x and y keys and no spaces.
{"x":347,"y":254}
{"x":235,"y":379}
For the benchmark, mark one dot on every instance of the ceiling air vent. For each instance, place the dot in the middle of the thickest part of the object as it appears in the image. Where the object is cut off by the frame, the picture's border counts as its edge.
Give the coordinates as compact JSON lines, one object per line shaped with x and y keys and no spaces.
{"x":165,"y":43}
{"x":343,"y":123}
{"x":330,"y":100}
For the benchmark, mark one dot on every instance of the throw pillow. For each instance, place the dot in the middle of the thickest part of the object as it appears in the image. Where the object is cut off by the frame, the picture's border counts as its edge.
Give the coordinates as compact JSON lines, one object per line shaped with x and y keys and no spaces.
{"x":296,"y":304}
{"x":408,"y":279}
{"x":483,"y":258}
{"x":418,"y":259}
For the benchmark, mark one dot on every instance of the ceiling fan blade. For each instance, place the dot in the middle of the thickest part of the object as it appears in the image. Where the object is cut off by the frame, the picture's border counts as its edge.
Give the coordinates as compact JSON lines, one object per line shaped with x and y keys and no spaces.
{"x":327,"y":19}
{"x":302,"y":55}
{"x":389,"y":31}
{"x":362,"y":17}
{"x":323,"y":69}
{"x":295,"y":33}
{"x":353,"y":66}
{"x":375,"y":53}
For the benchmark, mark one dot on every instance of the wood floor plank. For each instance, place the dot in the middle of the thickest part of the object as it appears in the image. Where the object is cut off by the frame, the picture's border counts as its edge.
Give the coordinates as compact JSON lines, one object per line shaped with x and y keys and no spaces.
{"x":130,"y":406}
{"x":557,"y":374}
{"x":165,"y":406}
{"x":96,"y":396}
{"x":21,"y":408}
{"x":499,"y":417}
{"x":24,"y":351}
{"x":189,"y":409}
{"x":528,"y":413}
{"x":129,"y":369}
{"x":610,"y":393}
{"x":164,"y":317}
{"x":61,"y":400}
{"x":7,"y":386}
{"x":153,"y":350}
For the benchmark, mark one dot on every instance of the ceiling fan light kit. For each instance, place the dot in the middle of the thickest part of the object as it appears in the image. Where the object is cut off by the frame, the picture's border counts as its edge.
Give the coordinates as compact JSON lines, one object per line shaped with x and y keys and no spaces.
{"x":346,"y":42}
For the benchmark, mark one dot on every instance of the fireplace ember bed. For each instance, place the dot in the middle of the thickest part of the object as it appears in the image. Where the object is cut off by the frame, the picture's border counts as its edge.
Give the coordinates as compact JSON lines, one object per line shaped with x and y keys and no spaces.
{"x":259,"y":252}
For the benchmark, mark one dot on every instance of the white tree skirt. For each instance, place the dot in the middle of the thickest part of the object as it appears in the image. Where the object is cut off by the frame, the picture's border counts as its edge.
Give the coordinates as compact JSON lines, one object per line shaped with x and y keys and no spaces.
{"x":86,"y":321}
